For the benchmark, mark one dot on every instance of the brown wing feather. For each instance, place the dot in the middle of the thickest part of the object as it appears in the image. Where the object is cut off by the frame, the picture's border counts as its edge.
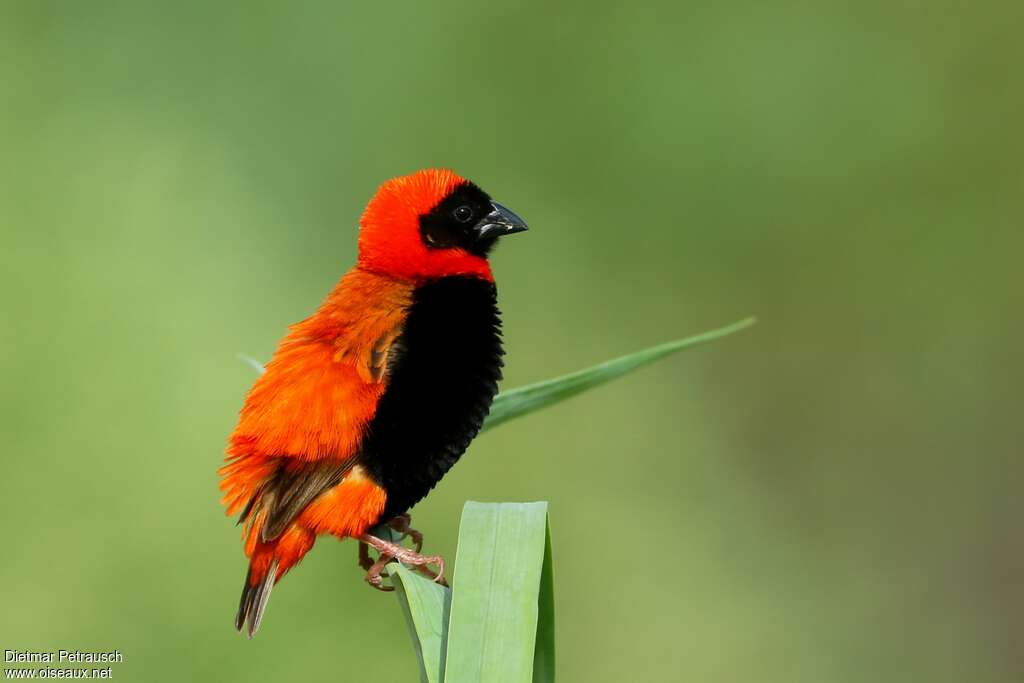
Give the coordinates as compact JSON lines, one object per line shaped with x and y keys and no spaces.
{"x":287,"y":492}
{"x":295,"y":484}
{"x":366,"y":344}
{"x":370,"y":353}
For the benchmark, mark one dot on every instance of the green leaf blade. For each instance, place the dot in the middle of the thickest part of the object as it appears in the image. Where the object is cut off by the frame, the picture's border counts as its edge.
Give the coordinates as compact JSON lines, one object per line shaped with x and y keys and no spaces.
{"x":496,"y":609}
{"x":252,"y":362}
{"x":524,"y":400}
{"x":425,"y":605}
{"x":544,"y":652}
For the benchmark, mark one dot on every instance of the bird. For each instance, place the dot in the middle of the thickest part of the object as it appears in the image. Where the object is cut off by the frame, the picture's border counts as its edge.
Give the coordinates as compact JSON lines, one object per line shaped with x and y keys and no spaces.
{"x":369,"y":401}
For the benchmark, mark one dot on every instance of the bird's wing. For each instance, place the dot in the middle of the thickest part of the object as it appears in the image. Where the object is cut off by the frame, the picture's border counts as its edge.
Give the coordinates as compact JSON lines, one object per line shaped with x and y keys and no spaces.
{"x":303,"y":421}
{"x":287,"y":492}
{"x":368,"y":348}
{"x":297,"y":483}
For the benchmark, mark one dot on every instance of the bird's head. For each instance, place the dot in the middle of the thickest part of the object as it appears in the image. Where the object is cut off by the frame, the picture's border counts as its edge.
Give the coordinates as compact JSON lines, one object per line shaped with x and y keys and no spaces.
{"x":432,"y":224}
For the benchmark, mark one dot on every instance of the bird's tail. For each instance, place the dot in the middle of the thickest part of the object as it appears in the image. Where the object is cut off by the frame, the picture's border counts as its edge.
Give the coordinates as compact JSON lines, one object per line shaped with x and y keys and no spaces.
{"x":269,"y":561}
{"x":255,"y":594}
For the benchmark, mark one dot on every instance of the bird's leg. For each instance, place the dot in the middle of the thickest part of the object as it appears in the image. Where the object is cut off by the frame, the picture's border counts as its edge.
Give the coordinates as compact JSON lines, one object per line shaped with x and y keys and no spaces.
{"x":368,"y":565}
{"x":394,"y":551}
{"x":403,"y":525}
{"x":364,"y":557}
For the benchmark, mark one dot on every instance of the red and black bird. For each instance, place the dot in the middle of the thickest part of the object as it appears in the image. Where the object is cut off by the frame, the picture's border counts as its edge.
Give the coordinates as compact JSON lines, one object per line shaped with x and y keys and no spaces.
{"x":367,"y":403}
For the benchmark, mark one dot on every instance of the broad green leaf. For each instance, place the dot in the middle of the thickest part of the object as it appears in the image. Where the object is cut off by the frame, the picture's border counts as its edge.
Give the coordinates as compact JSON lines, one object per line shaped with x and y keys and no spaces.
{"x":425,"y":606}
{"x":544,"y":654}
{"x":501,"y":628}
{"x":524,"y":400}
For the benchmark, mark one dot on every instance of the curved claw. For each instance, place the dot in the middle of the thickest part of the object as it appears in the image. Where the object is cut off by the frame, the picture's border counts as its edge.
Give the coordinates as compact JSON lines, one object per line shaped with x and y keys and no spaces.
{"x":376,"y":571}
{"x":379,"y":586}
{"x":437,"y":577}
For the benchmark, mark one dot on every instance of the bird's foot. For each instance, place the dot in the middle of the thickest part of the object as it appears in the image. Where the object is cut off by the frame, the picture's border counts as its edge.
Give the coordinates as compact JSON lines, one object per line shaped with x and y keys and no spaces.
{"x":403,"y":525}
{"x":388,"y":552}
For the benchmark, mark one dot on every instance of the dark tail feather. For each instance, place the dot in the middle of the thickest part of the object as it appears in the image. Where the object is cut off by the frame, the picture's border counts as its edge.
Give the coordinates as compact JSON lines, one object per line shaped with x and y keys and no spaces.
{"x":254,"y":600}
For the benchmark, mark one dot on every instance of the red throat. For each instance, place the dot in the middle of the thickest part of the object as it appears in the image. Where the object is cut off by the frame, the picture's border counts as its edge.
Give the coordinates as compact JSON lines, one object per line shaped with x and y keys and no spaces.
{"x":390,"y":240}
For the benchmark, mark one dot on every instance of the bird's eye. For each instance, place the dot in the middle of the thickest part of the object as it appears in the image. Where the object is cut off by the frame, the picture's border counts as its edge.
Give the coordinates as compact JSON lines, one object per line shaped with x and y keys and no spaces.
{"x":463,"y":213}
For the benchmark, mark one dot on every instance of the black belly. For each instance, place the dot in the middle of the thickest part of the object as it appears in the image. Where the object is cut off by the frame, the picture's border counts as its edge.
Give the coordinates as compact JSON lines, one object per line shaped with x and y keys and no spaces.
{"x":443,"y":373}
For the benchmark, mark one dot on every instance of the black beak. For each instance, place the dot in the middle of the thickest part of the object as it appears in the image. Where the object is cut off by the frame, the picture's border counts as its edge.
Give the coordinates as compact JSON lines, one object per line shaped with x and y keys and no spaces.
{"x":500,"y":221}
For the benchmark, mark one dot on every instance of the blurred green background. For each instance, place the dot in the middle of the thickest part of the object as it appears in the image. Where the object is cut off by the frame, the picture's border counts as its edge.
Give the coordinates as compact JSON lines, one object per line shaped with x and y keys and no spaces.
{"x":834,"y":495}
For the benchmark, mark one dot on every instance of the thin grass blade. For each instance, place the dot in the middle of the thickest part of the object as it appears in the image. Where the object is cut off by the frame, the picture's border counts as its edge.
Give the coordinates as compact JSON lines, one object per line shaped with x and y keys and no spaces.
{"x":252,"y":362}
{"x":525,"y":400}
